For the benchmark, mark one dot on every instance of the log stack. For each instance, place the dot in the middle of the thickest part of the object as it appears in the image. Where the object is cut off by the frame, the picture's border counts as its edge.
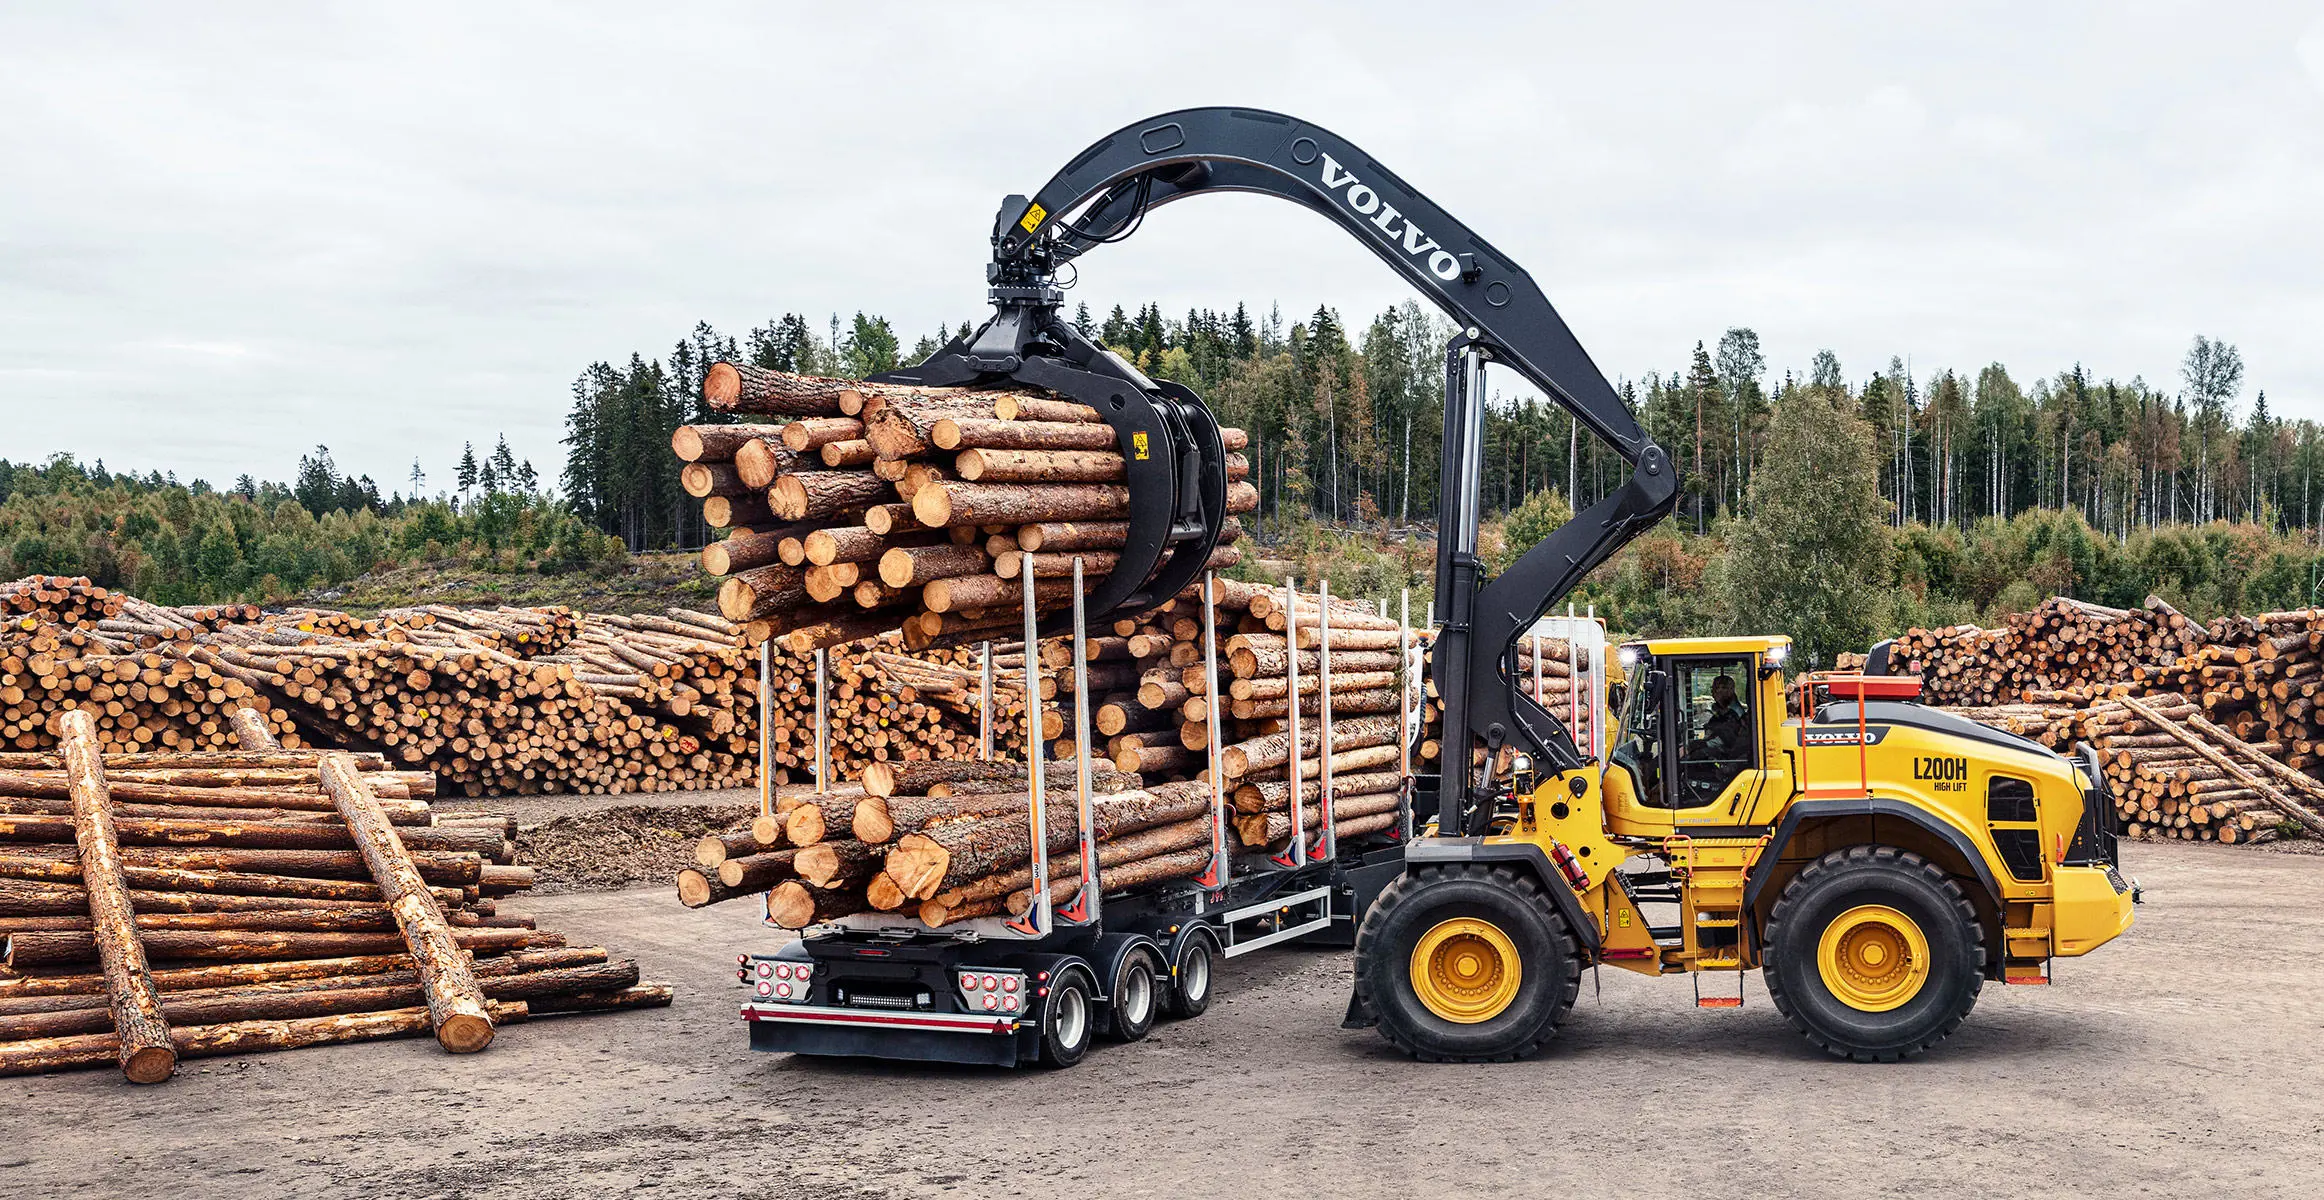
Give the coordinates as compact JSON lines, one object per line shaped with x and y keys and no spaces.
{"x":2206,"y":732}
{"x":159,"y":906}
{"x":948,"y":841}
{"x":2061,"y":645}
{"x":519,"y":700}
{"x":854,"y":508}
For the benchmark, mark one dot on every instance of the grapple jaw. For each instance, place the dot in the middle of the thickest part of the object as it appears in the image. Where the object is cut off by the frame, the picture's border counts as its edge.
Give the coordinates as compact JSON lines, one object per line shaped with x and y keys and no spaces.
{"x":1169,"y":441}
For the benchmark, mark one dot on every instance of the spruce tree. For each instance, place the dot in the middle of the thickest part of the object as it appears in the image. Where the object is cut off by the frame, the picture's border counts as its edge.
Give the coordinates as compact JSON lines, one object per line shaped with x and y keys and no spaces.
{"x":1813,"y":557}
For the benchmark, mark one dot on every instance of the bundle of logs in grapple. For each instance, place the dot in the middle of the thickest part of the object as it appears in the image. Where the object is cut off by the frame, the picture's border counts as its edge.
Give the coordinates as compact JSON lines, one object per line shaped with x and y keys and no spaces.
{"x":881,"y":507}
{"x":946,"y":842}
{"x":155,"y":906}
{"x":510,"y":699}
{"x":2206,"y":732}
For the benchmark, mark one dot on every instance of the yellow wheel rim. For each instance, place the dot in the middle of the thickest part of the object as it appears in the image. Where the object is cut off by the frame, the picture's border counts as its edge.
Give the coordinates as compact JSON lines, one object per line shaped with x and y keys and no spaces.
{"x":1873,"y":958}
{"x":1466,"y":970}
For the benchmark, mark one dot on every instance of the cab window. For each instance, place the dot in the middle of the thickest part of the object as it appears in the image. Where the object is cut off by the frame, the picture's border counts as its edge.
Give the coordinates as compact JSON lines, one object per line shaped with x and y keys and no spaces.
{"x":1714,"y":705}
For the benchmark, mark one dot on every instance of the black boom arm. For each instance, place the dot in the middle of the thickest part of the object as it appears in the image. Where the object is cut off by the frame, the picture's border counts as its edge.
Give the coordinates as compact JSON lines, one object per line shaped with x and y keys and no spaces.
{"x":1104,"y":193}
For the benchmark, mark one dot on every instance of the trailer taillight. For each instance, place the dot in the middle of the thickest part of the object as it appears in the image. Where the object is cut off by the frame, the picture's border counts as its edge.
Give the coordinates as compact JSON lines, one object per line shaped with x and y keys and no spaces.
{"x":765,"y":988}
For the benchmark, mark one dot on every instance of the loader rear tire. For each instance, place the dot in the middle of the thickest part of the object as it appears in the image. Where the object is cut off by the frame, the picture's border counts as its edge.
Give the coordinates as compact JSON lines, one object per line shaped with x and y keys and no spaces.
{"x":1874,"y":953}
{"x":1499,"y":967}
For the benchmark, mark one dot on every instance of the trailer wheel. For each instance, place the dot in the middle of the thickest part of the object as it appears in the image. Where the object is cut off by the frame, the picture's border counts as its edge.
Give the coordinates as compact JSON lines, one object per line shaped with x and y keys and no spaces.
{"x":1136,"y":995}
{"x":1467,"y":963}
{"x":1191,"y":981}
{"x":1068,"y":1017}
{"x":1874,"y":953}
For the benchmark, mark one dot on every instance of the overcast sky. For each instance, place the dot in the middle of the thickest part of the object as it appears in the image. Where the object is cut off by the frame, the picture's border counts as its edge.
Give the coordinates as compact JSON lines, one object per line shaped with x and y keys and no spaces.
{"x":228,"y":232}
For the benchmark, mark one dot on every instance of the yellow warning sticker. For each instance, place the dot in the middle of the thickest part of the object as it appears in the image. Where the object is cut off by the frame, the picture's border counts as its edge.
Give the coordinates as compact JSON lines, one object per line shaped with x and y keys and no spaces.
{"x":1033,"y":218}
{"x":1138,"y":445}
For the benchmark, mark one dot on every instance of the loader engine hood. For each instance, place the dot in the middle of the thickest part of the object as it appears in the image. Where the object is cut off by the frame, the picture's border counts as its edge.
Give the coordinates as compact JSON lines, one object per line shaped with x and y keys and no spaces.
{"x":1886,"y":712}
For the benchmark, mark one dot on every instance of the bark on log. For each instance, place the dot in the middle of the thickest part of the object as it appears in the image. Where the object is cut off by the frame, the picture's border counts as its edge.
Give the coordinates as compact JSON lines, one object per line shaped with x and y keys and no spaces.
{"x":738,"y":387}
{"x":703,"y":480}
{"x":715,"y":848}
{"x":1274,"y":750}
{"x":816,"y":819}
{"x":721,"y":512}
{"x":744,"y":551}
{"x":1144,"y":872}
{"x":1041,"y":466}
{"x":145,"y":1050}
{"x":947,"y":504}
{"x":252,"y":732}
{"x":757,"y":872}
{"x":455,"y":1003}
{"x":923,"y":864}
{"x":1058,"y":537}
{"x":795,"y":905}
{"x":760,"y":461}
{"x":64,"y":948}
{"x":716,"y":443}
{"x":969,"y":433}
{"x":984,"y":897}
{"x":238,"y":1037}
{"x":824,"y":494}
{"x":362,"y":994}
{"x":240,"y":873}
{"x":838,"y":863}
{"x":814,"y":433}
{"x":992,"y":591}
{"x":907,"y":566}
{"x":758,"y":592}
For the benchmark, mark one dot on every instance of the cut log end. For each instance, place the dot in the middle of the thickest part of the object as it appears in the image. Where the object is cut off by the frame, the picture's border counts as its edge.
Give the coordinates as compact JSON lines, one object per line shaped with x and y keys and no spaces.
{"x":464,"y":1033}
{"x":149,"y":1064}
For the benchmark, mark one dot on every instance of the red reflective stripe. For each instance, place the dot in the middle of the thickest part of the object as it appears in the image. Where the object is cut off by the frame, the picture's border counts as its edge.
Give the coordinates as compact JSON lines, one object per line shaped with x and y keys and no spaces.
{"x":1719,"y":1002}
{"x":971,"y":1023}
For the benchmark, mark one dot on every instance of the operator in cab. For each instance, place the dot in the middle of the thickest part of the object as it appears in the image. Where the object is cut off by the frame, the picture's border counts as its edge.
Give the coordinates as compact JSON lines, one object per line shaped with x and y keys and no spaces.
{"x":1728,"y":724}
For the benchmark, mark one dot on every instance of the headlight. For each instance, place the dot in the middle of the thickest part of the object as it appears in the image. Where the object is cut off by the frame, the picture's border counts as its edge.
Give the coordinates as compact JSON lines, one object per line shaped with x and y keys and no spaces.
{"x":1776,"y":654}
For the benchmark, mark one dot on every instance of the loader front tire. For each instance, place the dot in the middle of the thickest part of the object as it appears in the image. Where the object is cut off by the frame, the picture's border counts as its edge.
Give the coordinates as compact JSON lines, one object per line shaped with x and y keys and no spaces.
{"x":1874,"y":953}
{"x":1467,"y":963}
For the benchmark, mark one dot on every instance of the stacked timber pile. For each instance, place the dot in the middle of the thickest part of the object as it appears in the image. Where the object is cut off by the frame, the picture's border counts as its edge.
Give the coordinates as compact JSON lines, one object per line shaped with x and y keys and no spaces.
{"x":2059,"y":646}
{"x":67,"y":642}
{"x":503,"y":700}
{"x":2206,"y":732}
{"x":946,"y":842}
{"x":163,"y":905}
{"x":876,"y":507}
{"x":887,"y":704}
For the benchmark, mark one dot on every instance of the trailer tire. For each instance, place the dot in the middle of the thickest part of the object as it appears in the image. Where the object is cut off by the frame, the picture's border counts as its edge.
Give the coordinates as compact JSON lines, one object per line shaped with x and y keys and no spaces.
{"x":1195,"y":975}
{"x":1068,"y":1018}
{"x":1503,"y":967}
{"x":1135,"y":1000}
{"x":1874,"y":953}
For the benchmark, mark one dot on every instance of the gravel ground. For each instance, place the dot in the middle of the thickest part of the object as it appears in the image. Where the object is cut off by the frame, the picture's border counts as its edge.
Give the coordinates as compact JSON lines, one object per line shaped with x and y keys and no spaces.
{"x":2179,"y":1061}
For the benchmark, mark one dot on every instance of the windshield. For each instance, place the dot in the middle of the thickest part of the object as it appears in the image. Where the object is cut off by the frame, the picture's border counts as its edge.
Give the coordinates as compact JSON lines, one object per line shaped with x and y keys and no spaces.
{"x":1640,"y":745}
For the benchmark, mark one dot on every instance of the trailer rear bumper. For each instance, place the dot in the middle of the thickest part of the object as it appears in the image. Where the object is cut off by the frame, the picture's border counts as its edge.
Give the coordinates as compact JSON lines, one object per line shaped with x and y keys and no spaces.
{"x":873,"y":1033}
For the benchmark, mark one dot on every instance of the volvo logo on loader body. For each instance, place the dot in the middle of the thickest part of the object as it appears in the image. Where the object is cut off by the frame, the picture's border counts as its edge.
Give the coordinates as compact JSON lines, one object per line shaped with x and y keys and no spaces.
{"x":1383,"y":215}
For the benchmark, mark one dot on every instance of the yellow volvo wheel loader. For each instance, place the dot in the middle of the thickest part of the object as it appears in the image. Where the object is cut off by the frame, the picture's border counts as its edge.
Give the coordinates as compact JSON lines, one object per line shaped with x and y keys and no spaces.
{"x":1879,"y":860}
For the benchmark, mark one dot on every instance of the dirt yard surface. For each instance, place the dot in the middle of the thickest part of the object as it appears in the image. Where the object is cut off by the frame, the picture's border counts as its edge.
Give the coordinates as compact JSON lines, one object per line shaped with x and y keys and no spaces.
{"x":2181,"y":1061}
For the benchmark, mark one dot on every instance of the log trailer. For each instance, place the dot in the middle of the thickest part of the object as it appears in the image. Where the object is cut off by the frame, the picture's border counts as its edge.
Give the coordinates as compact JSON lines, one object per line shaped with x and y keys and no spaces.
{"x":1880,"y":861}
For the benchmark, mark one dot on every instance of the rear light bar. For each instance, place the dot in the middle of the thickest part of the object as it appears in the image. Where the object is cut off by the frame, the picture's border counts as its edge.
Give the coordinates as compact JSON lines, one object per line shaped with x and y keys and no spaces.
{"x":780,"y":980}
{"x":993,"y":990}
